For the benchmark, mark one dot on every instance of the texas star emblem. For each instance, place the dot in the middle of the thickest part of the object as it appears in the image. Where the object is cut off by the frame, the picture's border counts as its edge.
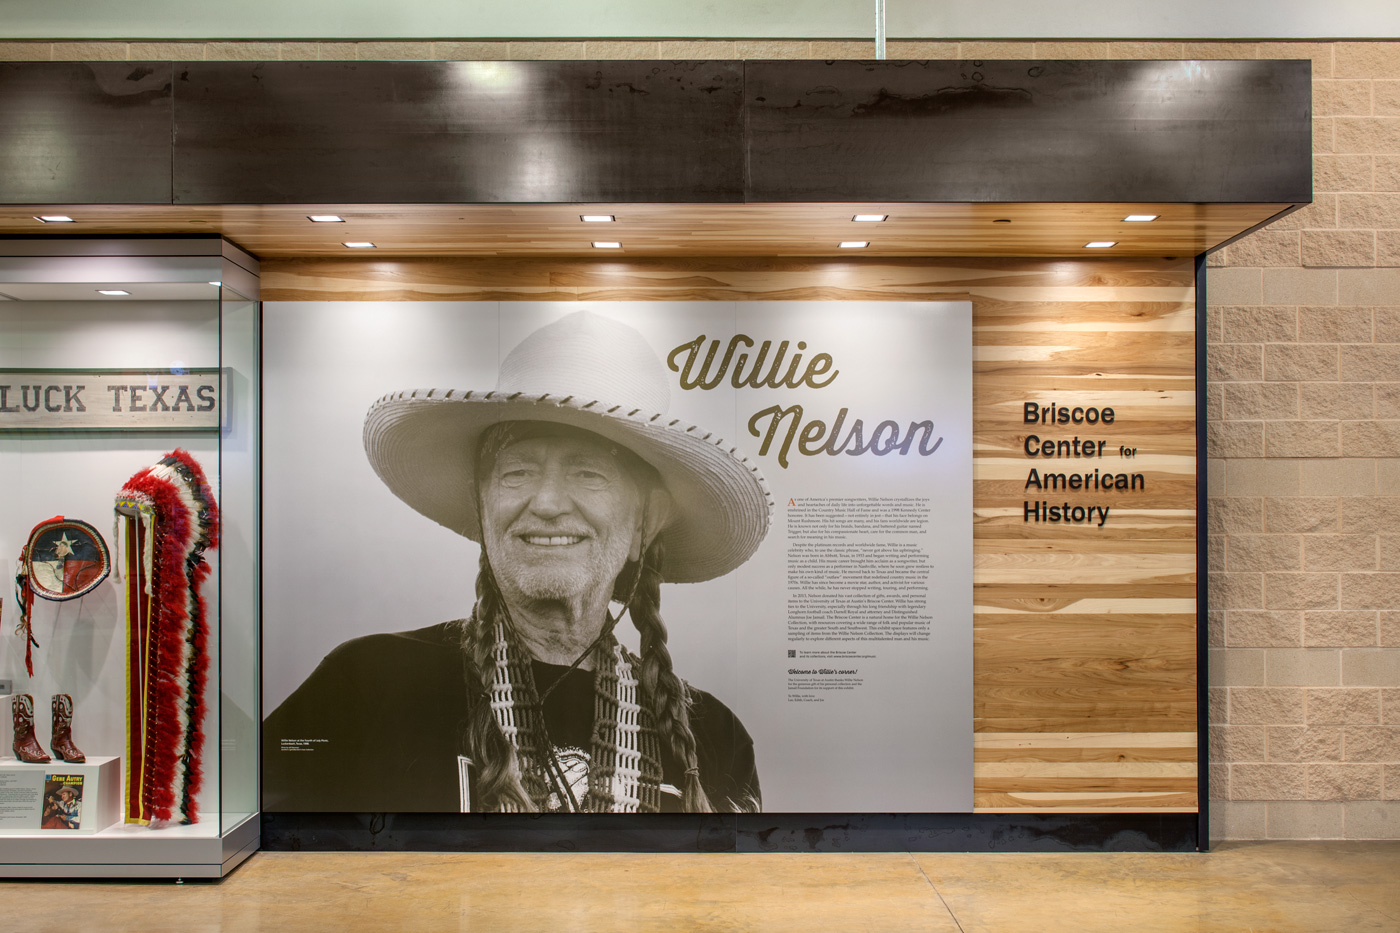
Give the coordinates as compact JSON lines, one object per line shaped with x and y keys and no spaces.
{"x":65,"y":558}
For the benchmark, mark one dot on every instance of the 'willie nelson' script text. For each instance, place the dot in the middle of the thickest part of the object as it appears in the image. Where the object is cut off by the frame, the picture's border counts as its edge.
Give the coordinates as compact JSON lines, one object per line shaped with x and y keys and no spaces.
{"x":770,"y":368}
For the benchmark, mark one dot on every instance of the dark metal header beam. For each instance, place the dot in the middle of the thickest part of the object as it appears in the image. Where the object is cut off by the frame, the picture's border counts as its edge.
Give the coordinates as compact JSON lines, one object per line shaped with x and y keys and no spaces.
{"x":651,"y":131}
{"x":1198,"y":131}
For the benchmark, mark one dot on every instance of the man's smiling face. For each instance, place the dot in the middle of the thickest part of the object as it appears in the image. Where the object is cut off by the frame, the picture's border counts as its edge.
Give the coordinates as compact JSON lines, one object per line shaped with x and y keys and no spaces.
{"x":560,"y":515}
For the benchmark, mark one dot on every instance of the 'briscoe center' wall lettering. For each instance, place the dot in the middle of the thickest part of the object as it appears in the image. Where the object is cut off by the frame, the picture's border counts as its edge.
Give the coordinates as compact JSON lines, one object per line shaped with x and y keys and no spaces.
{"x":1045,"y":480}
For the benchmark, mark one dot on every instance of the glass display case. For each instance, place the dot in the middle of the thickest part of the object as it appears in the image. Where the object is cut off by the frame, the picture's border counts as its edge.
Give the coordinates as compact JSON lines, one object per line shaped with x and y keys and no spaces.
{"x":129,"y":488}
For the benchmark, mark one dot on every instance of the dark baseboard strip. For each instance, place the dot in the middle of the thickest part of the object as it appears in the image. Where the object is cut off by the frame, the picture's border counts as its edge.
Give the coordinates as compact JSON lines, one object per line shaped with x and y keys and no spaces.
{"x":767,"y":832}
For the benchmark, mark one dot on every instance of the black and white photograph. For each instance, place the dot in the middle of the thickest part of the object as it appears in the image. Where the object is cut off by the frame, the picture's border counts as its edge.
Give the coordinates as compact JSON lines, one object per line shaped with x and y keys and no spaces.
{"x":617,"y":557}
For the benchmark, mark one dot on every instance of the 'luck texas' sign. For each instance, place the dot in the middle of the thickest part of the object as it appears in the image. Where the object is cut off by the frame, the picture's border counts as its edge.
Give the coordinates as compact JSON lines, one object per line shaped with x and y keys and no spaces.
{"x":112,"y":400}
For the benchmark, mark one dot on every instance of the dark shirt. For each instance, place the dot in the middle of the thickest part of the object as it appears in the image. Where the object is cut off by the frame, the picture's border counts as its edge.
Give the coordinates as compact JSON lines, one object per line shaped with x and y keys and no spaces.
{"x":378,"y":726}
{"x":568,"y":703}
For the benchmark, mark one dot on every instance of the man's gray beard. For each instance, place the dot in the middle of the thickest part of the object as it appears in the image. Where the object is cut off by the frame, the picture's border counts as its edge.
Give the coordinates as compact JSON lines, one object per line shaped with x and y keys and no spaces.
{"x":547,"y":583}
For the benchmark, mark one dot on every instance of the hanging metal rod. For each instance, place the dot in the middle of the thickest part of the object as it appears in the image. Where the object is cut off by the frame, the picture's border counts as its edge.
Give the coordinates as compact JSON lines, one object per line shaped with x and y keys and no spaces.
{"x":879,"y":29}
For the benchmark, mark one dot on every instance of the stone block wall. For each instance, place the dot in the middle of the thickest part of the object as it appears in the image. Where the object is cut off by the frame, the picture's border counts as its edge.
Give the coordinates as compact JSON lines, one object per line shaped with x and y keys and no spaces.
{"x":1304,"y":420}
{"x":1304,"y":401}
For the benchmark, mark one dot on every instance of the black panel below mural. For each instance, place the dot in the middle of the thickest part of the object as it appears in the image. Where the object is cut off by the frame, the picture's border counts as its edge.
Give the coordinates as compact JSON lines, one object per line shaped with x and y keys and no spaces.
{"x":771,"y":832}
{"x":450,"y":132}
{"x":1170,"y":131}
{"x":85,"y":132}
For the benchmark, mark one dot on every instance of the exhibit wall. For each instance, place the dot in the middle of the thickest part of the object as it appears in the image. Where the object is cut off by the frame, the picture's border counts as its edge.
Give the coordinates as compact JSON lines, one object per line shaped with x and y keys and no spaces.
{"x":1083,"y":525}
{"x":1305,"y":655}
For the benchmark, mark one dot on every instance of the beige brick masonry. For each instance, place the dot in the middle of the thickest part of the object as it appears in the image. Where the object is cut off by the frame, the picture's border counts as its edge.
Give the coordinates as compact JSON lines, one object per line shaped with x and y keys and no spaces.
{"x":1303,"y":357}
{"x":1343,"y":706}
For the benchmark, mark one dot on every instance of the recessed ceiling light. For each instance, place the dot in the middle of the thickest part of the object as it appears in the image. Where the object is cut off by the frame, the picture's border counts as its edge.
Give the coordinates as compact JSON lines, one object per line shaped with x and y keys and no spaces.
{"x":1101,"y":244}
{"x":112,"y":291}
{"x":854,"y":244}
{"x":1140,"y":218}
{"x":356,"y":244}
{"x":597,"y":218}
{"x":870,"y":218}
{"x":599,"y":244}
{"x":53,"y":218}
{"x":325,"y":218}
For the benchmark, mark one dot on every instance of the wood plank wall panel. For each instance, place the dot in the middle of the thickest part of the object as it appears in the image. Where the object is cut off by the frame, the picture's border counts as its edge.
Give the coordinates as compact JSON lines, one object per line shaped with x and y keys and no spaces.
{"x":480,"y":231}
{"x":1085,"y":637}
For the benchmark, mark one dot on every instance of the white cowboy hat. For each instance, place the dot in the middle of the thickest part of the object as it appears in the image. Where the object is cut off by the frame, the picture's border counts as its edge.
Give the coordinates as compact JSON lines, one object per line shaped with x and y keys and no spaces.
{"x":594,"y":373}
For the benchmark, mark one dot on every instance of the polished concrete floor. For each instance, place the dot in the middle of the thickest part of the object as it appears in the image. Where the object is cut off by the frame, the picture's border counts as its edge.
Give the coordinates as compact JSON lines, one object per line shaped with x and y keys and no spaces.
{"x":1244,"y":886}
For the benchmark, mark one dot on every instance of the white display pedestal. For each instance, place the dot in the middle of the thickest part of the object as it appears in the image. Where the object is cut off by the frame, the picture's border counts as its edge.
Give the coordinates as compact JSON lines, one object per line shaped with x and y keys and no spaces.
{"x":58,"y":797}
{"x":103,"y":846}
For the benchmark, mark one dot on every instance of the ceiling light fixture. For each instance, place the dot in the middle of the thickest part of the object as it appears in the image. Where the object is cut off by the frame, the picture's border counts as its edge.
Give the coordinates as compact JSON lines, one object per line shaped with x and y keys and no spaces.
{"x":53,"y":218}
{"x":601,"y":244}
{"x":870,"y":218}
{"x":325,"y":218}
{"x":357,"y":244}
{"x":112,"y":291}
{"x":1140,"y":218}
{"x":1101,"y":244}
{"x":216,"y":284}
{"x":854,"y":244}
{"x":597,"y":218}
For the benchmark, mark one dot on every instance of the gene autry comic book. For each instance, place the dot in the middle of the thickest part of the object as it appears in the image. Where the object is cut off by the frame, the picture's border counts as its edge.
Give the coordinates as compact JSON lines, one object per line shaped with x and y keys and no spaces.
{"x":63,"y":801}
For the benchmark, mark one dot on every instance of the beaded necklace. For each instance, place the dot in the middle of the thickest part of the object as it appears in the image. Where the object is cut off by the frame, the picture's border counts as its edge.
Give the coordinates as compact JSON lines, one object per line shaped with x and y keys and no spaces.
{"x":624,"y":770}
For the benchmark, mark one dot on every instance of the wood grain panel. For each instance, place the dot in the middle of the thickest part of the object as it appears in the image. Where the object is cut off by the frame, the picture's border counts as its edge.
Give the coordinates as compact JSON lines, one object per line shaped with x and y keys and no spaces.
{"x":1085,"y":803}
{"x":1085,"y":771}
{"x":1065,"y":636}
{"x":1084,"y":636}
{"x":681,"y":232}
{"x":1085,"y":746}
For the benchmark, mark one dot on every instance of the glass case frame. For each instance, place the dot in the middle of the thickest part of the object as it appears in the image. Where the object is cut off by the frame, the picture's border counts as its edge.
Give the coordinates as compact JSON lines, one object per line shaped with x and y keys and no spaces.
{"x":190,"y":304}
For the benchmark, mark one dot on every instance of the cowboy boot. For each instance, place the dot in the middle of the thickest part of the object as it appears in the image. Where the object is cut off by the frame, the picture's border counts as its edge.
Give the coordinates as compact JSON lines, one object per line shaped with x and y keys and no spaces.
{"x":27,"y":747}
{"x":62,"y":744}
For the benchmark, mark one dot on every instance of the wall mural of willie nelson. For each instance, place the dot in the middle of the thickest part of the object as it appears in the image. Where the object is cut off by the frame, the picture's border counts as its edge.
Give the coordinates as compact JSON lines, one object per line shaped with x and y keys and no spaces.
{"x":584,"y":496}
